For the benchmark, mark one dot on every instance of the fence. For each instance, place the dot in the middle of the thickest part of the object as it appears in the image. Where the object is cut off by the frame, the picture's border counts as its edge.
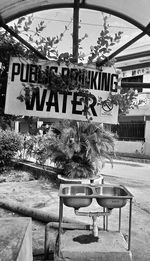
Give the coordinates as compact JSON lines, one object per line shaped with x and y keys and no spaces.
{"x":129,"y":131}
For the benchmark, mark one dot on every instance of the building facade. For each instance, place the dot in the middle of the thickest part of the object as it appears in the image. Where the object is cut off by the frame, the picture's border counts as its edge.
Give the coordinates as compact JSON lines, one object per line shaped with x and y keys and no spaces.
{"x":133,"y":130}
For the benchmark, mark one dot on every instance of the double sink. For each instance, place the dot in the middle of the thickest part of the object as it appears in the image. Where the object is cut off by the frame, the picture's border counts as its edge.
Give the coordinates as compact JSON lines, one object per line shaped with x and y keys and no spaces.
{"x":81,"y":195}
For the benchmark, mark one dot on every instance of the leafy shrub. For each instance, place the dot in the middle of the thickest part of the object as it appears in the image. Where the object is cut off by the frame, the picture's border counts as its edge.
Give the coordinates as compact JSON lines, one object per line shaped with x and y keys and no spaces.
{"x":28,"y":145}
{"x":35,"y":146}
{"x":10,"y":143}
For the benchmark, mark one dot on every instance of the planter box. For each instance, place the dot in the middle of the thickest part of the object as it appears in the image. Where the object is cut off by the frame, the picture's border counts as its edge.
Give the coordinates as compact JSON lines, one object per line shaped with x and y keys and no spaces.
{"x":15,"y":239}
{"x":96,"y":180}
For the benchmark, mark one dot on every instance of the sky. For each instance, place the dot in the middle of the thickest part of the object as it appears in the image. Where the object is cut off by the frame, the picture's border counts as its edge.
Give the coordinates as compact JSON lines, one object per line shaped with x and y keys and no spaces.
{"x":90,"y":23}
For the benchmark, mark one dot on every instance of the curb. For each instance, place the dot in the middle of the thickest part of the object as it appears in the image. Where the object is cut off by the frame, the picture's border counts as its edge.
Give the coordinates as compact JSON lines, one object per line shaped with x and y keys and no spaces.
{"x":132,"y":158}
{"x":38,"y":170}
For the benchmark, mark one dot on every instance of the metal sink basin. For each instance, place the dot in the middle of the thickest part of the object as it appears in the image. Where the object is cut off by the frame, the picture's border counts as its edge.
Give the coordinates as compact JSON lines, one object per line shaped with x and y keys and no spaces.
{"x":76,"y":196}
{"x":81,"y":195}
{"x":112,"y":196}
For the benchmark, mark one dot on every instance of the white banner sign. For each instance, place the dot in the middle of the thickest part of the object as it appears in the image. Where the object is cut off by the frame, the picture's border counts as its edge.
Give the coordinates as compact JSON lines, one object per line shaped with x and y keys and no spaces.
{"x":44,"y":103}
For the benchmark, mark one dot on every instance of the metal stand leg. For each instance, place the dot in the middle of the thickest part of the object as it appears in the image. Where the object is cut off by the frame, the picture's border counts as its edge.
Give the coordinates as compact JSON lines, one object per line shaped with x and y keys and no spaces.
{"x":119,"y":219}
{"x":130,"y":219}
{"x":106,"y":223}
{"x":104,"y":220}
{"x":46,"y":243}
{"x":60,"y":221}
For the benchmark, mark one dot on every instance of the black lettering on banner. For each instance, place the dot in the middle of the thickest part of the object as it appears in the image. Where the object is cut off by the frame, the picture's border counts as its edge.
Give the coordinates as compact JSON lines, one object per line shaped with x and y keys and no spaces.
{"x":64,"y":104}
{"x":92,"y":105}
{"x":99,"y":80}
{"x":114,"y":81}
{"x":39,"y":74}
{"x":105,"y":84}
{"x":46,"y":75}
{"x":93,"y":80}
{"x":33,"y":73}
{"x":76,"y":102}
{"x":15,"y":70}
{"x":36,"y":98}
{"x":89,"y":77}
{"x":81,"y":76}
{"x":65,"y":71}
{"x":24,"y":75}
{"x":53,"y":101}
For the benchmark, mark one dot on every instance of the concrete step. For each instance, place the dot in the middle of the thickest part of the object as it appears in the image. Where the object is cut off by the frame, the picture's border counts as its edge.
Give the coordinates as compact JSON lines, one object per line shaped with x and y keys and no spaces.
{"x":81,"y":246}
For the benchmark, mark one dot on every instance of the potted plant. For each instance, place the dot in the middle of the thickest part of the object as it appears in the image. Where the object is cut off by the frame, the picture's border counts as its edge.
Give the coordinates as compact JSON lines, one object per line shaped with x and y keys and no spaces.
{"x":79,"y":149}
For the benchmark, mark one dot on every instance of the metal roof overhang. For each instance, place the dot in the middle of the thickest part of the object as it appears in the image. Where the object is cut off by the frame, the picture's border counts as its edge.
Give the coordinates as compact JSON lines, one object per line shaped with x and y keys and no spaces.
{"x":135,"y":12}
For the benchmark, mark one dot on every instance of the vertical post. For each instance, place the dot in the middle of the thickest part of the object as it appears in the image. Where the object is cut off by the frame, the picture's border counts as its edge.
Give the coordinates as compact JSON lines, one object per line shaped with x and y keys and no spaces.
{"x":60,"y":221}
{"x":16,"y":126}
{"x":75,"y":29}
{"x":104,"y":220}
{"x":119,"y":219}
{"x":130,"y":217}
{"x":106,"y":223}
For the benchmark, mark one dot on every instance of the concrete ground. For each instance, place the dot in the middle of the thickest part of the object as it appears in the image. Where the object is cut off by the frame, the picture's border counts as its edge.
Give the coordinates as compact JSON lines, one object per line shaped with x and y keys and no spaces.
{"x":43,"y":195}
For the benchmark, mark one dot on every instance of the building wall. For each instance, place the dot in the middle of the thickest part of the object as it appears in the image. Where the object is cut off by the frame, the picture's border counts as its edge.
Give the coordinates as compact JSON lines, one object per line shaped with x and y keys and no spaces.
{"x":135,"y":68}
{"x":135,"y":147}
{"x":147,"y":138}
{"x":130,"y":147}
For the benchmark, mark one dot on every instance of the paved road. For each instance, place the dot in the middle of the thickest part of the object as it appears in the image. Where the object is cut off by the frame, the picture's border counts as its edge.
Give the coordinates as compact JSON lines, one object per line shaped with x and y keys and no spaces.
{"x":136,"y":177}
{"x":130,"y":170}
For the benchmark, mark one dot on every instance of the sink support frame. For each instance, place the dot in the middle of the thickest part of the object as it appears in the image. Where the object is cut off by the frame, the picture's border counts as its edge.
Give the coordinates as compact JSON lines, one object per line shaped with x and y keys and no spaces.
{"x":105,"y":220}
{"x":94,"y":216}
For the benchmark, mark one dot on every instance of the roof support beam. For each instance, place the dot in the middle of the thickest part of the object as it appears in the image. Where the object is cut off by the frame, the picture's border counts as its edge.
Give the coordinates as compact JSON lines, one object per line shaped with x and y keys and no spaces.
{"x":122,"y":48}
{"x":75,"y":29}
{"x":19,"y":38}
{"x":135,"y":85}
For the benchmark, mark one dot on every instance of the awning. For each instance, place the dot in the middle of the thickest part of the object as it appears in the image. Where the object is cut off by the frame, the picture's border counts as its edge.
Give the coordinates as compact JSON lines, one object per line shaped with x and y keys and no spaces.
{"x":134,"y":11}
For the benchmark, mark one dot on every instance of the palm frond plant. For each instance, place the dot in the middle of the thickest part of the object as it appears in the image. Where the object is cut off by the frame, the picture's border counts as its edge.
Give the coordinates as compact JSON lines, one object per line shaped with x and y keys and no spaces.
{"x":79,"y":148}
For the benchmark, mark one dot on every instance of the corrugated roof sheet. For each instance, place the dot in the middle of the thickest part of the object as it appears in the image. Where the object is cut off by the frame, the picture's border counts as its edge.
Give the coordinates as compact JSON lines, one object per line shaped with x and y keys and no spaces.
{"x":134,"y":11}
